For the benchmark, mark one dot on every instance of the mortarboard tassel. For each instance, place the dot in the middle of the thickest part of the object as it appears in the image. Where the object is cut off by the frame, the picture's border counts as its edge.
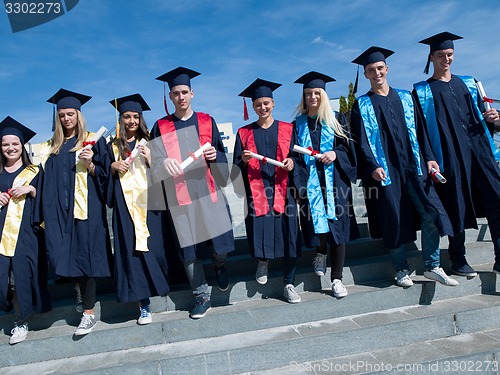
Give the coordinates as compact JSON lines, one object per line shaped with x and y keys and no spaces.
{"x":165,"y":99}
{"x":245,"y":110}
{"x":355,"y":89}
{"x":53,"y":117}
{"x":117,"y":121}
{"x":426,"y":70}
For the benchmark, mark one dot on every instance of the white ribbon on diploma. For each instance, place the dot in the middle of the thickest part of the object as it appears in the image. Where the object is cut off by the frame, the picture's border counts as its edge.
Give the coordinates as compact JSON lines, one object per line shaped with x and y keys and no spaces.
{"x":195,"y":155}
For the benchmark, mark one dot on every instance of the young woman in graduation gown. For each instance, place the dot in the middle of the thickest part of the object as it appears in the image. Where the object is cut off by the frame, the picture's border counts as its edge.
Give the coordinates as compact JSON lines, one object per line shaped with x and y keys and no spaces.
{"x":23,"y":264}
{"x":73,"y":202}
{"x":140,"y":267}
{"x":272,"y":219}
{"x":327,"y":215}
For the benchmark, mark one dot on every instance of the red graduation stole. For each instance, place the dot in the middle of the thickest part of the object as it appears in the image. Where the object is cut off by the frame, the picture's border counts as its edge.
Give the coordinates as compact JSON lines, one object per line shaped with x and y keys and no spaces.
{"x":171,"y":144}
{"x":261,"y":206}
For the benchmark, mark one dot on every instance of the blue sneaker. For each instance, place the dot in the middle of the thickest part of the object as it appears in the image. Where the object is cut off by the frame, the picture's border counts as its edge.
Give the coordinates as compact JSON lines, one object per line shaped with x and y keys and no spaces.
{"x":201,"y":306}
{"x":464,"y":270}
{"x":146,"y":316}
{"x":222,"y":278}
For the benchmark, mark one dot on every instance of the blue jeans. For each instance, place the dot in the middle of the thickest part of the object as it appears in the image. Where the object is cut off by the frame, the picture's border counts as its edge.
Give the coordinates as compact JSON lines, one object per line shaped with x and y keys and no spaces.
{"x":430,"y":237}
{"x":196,"y":274}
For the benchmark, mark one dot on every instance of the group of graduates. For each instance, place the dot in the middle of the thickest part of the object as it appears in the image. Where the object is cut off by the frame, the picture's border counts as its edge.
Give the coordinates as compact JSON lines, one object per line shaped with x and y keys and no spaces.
{"x":296,"y":177}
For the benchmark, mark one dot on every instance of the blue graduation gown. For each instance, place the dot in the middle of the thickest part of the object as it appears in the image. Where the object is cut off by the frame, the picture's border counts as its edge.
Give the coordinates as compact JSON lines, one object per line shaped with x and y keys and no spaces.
{"x":391,"y":214}
{"x":137,"y":274}
{"x":194,"y":217}
{"x":29,"y":263}
{"x":76,"y":247}
{"x":272,"y":235}
{"x":345,"y":228}
{"x":465,"y":153}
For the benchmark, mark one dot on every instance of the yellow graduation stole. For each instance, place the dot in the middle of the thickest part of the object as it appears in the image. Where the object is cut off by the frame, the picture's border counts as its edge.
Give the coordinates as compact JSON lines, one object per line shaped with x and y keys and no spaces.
{"x":14,"y":214}
{"x":134,"y":184}
{"x":81,"y":186}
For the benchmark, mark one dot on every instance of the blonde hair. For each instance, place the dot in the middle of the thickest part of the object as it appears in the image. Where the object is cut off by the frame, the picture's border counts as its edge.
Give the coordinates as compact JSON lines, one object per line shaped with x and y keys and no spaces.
{"x":58,"y":137}
{"x":326,"y":115}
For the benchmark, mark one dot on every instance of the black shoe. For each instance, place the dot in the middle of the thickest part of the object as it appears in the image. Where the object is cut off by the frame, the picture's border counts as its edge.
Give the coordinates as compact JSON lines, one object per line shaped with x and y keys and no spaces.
{"x":496,"y":268}
{"x":464,"y":270}
{"x":222,"y":278}
{"x":201,"y":306}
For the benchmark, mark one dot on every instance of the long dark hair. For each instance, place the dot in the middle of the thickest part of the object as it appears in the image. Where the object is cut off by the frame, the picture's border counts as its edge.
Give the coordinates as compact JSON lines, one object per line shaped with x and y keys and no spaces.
{"x":142,"y":133}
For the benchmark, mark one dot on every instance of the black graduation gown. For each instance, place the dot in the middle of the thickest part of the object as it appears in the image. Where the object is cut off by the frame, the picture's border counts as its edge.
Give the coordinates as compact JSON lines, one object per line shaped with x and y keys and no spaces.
{"x":464,"y":145}
{"x":137,"y":274}
{"x":391,"y":214}
{"x":29,"y":263}
{"x":273,"y":235}
{"x":345,"y":228}
{"x":76,"y":247}
{"x":197,"y":219}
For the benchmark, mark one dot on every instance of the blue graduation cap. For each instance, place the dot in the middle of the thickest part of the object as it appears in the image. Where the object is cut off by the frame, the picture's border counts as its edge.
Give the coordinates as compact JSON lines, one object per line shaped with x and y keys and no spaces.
{"x":130,"y":103}
{"x":178,"y":76}
{"x":64,"y":99}
{"x":9,"y":126}
{"x":314,"y":80}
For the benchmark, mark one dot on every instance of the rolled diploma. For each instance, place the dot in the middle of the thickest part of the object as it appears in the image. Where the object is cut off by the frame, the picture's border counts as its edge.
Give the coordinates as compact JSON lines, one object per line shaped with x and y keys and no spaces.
{"x":482,"y":94}
{"x":135,"y":151}
{"x":438,"y":176}
{"x":197,"y":154}
{"x":95,"y":138}
{"x":305,"y":151}
{"x":21,"y":182}
{"x":268,"y":160}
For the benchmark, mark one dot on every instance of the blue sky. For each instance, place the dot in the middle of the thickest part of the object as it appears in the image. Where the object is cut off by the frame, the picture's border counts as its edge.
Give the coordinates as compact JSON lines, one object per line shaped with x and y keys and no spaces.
{"x":107,"y":50}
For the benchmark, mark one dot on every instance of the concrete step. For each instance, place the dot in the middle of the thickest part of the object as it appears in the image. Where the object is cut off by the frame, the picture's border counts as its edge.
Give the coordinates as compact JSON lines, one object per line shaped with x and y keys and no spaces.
{"x":255,"y":336}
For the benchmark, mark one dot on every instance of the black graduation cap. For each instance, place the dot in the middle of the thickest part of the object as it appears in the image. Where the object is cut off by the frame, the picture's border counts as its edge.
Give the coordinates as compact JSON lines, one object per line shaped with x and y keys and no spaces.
{"x":260,"y":88}
{"x":178,"y":76}
{"x":132,"y":103}
{"x":9,"y":126}
{"x":438,"y":42}
{"x":68,"y":99}
{"x":371,"y":55}
{"x":314,"y":80}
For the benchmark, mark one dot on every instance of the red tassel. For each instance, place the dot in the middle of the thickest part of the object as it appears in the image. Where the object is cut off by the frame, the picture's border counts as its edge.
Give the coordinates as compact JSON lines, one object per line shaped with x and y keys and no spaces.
{"x":245,"y":110}
{"x":165,"y":100}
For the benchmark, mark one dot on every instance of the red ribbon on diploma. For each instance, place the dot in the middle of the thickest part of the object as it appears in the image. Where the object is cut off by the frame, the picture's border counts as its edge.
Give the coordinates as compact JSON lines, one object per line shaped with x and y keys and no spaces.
{"x":192,"y":155}
{"x":264,"y":160}
{"x":89,"y":143}
{"x":487,"y":100}
{"x":313,"y":152}
{"x":9,"y":193}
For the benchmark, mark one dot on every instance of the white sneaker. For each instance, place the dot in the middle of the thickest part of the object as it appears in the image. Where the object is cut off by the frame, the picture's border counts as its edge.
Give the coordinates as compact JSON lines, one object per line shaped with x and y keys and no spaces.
{"x":146,"y":316}
{"x":86,"y":325}
{"x":403,"y":279}
{"x":339,"y":290}
{"x":437,"y":274}
{"x":19,"y":333}
{"x":261,"y":274}
{"x":291,"y":294}
{"x":319,"y":264}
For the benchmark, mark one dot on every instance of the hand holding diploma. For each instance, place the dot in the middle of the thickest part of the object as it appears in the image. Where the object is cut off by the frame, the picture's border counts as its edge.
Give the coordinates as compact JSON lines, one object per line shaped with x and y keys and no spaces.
{"x":438,"y":177}
{"x":15,"y":192}
{"x":87,"y":145}
{"x":195,"y":155}
{"x":307,"y":151}
{"x":482,"y":96}
{"x":135,"y":152}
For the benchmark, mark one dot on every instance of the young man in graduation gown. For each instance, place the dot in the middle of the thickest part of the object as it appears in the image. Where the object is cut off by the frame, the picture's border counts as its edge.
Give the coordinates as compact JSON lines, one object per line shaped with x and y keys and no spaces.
{"x":459,"y":130}
{"x":197,"y":208}
{"x":395,"y":171}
